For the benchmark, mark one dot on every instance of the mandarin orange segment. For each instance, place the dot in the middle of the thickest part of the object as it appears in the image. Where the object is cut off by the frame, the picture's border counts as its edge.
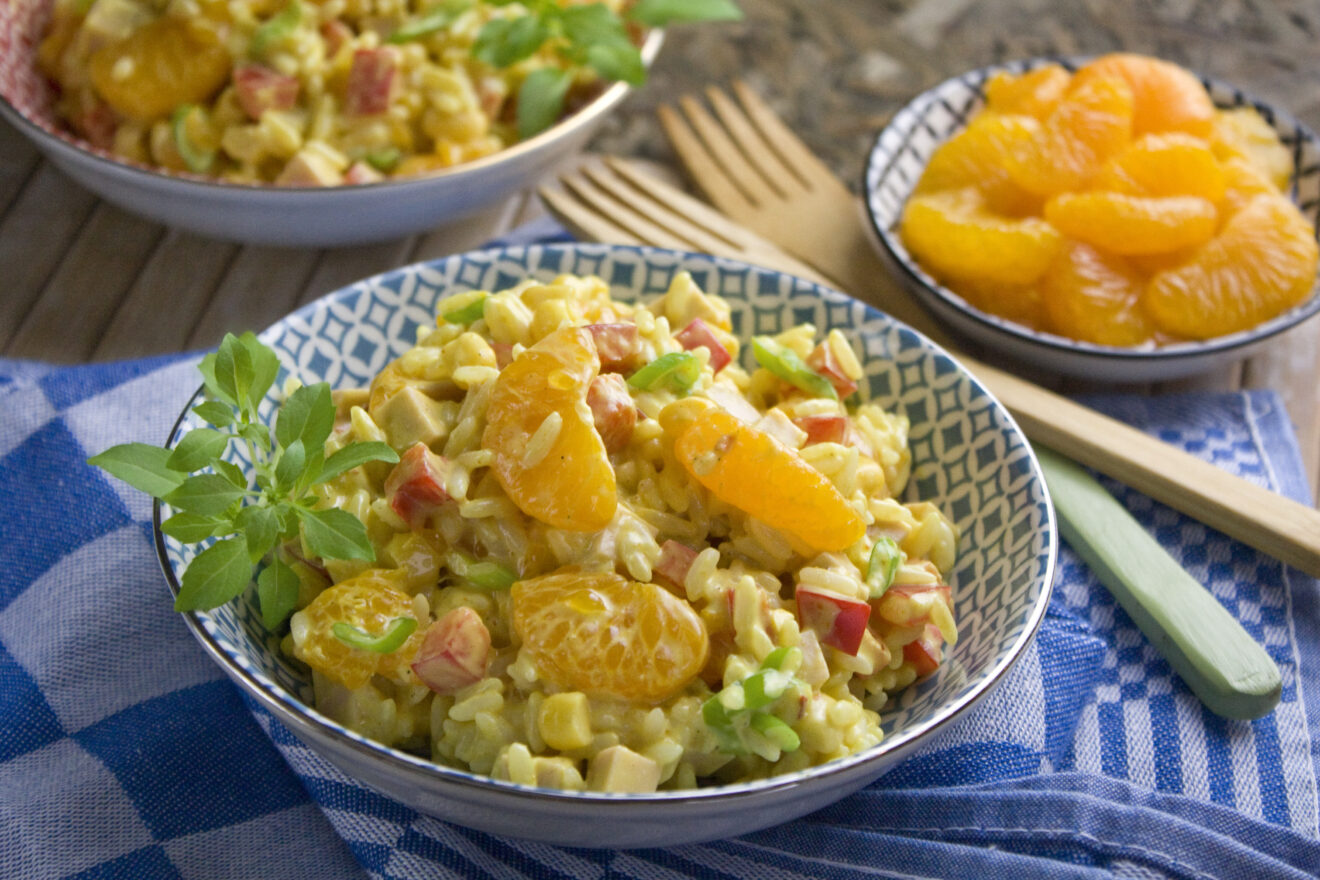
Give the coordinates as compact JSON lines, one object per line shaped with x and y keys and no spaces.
{"x":1166,"y":97}
{"x":1033,"y":93}
{"x":559,"y":476}
{"x":750,"y":470}
{"x":1173,"y":164}
{"x":1095,"y":297}
{"x":954,"y":235}
{"x":370,"y":601}
{"x":1243,"y":181}
{"x":156,"y":68}
{"x":1124,"y":224}
{"x":1261,"y":264}
{"x":1091,"y":124}
{"x":1243,"y":133}
{"x":1022,"y":303}
{"x":601,"y":633}
{"x":975,"y":157}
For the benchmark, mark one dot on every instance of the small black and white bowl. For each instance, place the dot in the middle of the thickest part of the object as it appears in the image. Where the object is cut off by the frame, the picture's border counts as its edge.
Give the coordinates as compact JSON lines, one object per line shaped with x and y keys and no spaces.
{"x":899,"y":156}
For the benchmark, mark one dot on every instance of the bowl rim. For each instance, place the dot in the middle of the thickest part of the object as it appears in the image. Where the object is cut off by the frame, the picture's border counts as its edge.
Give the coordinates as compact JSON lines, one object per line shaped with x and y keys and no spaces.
{"x":874,"y":172}
{"x":305,"y":717}
{"x":71,"y":144}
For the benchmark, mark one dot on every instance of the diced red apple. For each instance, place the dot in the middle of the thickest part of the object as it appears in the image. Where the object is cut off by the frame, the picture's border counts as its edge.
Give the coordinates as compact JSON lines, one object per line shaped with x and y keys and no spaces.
{"x":697,"y":334}
{"x":258,"y":89}
{"x":361,"y":172}
{"x":675,"y":561}
{"x":618,"y":346}
{"x":335,"y":33}
{"x":454,"y":652}
{"x":838,"y":621}
{"x":370,"y":78}
{"x":98,"y":124}
{"x":503,"y":353}
{"x":612,"y":410}
{"x":416,"y":486}
{"x":823,"y":361}
{"x":823,"y":428}
{"x":926,"y":652}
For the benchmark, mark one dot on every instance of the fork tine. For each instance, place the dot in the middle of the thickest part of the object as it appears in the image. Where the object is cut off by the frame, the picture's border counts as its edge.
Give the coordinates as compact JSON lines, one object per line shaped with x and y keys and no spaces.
{"x":710,"y":174}
{"x":621,"y":214}
{"x":623,"y":190}
{"x":582,"y":222}
{"x":753,"y":143}
{"x":796,"y":153}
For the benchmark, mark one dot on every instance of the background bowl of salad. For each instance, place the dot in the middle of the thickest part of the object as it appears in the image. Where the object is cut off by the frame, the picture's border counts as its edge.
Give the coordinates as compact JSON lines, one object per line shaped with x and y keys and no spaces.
{"x":968,"y":459}
{"x":298,"y":123}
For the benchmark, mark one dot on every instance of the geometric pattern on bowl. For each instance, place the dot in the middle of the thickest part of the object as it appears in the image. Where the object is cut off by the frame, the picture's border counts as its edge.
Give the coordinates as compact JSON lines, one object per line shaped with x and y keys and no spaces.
{"x":968,"y":457}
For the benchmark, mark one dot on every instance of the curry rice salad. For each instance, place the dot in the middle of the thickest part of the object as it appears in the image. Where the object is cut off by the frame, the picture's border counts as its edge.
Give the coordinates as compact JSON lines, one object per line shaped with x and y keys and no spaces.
{"x":612,"y":559}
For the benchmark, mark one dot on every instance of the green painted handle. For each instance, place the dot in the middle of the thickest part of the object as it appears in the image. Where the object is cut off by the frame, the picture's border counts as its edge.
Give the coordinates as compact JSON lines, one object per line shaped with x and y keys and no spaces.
{"x":1215,"y":656}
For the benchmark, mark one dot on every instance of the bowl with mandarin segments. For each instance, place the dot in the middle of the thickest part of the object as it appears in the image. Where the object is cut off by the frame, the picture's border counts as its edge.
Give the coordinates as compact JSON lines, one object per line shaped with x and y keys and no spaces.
{"x":969,"y":458}
{"x":302,"y":215}
{"x":902,"y":153}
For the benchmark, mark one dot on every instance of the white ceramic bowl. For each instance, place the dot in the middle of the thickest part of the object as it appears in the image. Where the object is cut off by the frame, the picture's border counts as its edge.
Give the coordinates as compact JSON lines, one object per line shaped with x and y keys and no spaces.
{"x":267,"y":214}
{"x":900,"y":154}
{"x":968,"y":457}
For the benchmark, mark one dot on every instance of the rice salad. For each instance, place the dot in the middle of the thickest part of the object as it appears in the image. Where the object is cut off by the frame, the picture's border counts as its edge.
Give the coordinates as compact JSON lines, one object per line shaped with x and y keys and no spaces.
{"x":292,"y":92}
{"x":614,"y":558}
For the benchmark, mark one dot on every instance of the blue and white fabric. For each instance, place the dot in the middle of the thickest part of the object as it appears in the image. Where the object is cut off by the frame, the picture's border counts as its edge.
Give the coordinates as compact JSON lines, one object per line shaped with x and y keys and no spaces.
{"x":125,"y":753}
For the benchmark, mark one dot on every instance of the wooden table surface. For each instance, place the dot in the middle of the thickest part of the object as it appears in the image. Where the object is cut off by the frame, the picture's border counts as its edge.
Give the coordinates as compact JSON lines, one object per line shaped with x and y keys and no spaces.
{"x":85,"y":281}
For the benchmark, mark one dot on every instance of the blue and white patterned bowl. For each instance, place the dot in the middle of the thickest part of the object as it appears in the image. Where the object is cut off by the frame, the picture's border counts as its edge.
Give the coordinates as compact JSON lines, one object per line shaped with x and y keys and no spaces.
{"x":899,"y":156}
{"x":968,"y":457}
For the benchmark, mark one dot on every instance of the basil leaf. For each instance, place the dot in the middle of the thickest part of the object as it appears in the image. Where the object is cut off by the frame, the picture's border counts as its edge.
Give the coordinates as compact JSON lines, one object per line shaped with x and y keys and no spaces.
{"x":214,"y":412}
{"x":506,"y":41}
{"x":265,"y":367}
{"x":658,"y":13}
{"x":592,"y":24}
{"x":205,"y":494}
{"x":231,"y":472}
{"x":353,"y":455}
{"x":541,"y":100}
{"x":620,"y":62}
{"x":143,"y":467}
{"x":308,"y":415}
{"x":293,"y":461}
{"x":261,"y":527}
{"x":196,"y":449}
{"x":257,"y":434}
{"x":207,"y":368}
{"x":277,"y":593}
{"x":335,"y":534}
{"x":218,"y":574}
{"x":192,"y":528}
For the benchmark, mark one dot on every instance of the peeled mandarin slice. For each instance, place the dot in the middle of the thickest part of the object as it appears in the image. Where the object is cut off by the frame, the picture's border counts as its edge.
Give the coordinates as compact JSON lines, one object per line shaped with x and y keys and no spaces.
{"x":1243,"y":133}
{"x":1095,"y":297}
{"x":156,"y":68}
{"x":370,"y":602}
{"x":1166,"y":97}
{"x":1173,"y":164}
{"x":750,"y":470}
{"x":1034,"y":93}
{"x":1124,"y":224}
{"x":560,"y":475}
{"x":975,"y":157}
{"x":954,"y":235}
{"x":601,"y":633}
{"x":1243,"y":181}
{"x":1021,"y":303}
{"x":1261,"y":264}
{"x":1090,"y":124}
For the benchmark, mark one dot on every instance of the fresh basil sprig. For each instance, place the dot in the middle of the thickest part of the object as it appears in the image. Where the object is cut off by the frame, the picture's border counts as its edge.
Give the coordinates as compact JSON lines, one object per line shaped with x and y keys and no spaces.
{"x":215,"y":499}
{"x":584,"y":36}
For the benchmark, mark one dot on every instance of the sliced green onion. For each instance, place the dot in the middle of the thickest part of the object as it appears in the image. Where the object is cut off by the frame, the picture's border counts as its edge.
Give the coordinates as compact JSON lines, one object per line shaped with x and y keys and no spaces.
{"x":775,"y":659}
{"x":391,"y":640}
{"x":677,"y":371}
{"x":777,"y":731}
{"x":486,"y":576}
{"x":198,"y":160}
{"x":468,"y":312}
{"x":883,"y":565}
{"x":437,"y":17}
{"x":785,"y":363}
{"x":276,"y":28}
{"x":384,"y":159}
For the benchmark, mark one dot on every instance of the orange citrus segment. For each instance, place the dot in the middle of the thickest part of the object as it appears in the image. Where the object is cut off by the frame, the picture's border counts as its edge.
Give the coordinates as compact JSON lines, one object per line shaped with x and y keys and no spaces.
{"x":954,"y":235}
{"x":1244,"y":133}
{"x":561,"y":477}
{"x":158,"y":67}
{"x":370,"y":601}
{"x":1166,"y":97}
{"x":1016,"y":302}
{"x":1124,"y":224}
{"x":1095,"y":297}
{"x":1090,"y":124}
{"x":1034,"y":93}
{"x":1243,"y":181}
{"x":602,"y":634}
{"x":750,"y":470}
{"x":1173,"y":164}
{"x":975,"y":157}
{"x":1262,"y":263}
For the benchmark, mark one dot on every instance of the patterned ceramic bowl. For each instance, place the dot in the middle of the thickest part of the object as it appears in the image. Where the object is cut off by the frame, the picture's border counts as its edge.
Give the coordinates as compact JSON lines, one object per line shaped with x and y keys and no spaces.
{"x":968,"y":457}
{"x":900,"y":154}
{"x":272,"y":215}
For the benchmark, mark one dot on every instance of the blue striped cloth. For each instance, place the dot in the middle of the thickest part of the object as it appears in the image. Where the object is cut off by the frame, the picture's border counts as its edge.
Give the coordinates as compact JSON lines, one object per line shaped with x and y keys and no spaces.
{"x":124,"y":753}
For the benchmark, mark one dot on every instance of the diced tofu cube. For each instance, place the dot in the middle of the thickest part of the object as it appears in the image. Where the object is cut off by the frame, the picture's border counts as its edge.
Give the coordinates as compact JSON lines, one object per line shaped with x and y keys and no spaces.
{"x":620,"y":769}
{"x":409,"y":417}
{"x":781,"y":427}
{"x":564,"y":721}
